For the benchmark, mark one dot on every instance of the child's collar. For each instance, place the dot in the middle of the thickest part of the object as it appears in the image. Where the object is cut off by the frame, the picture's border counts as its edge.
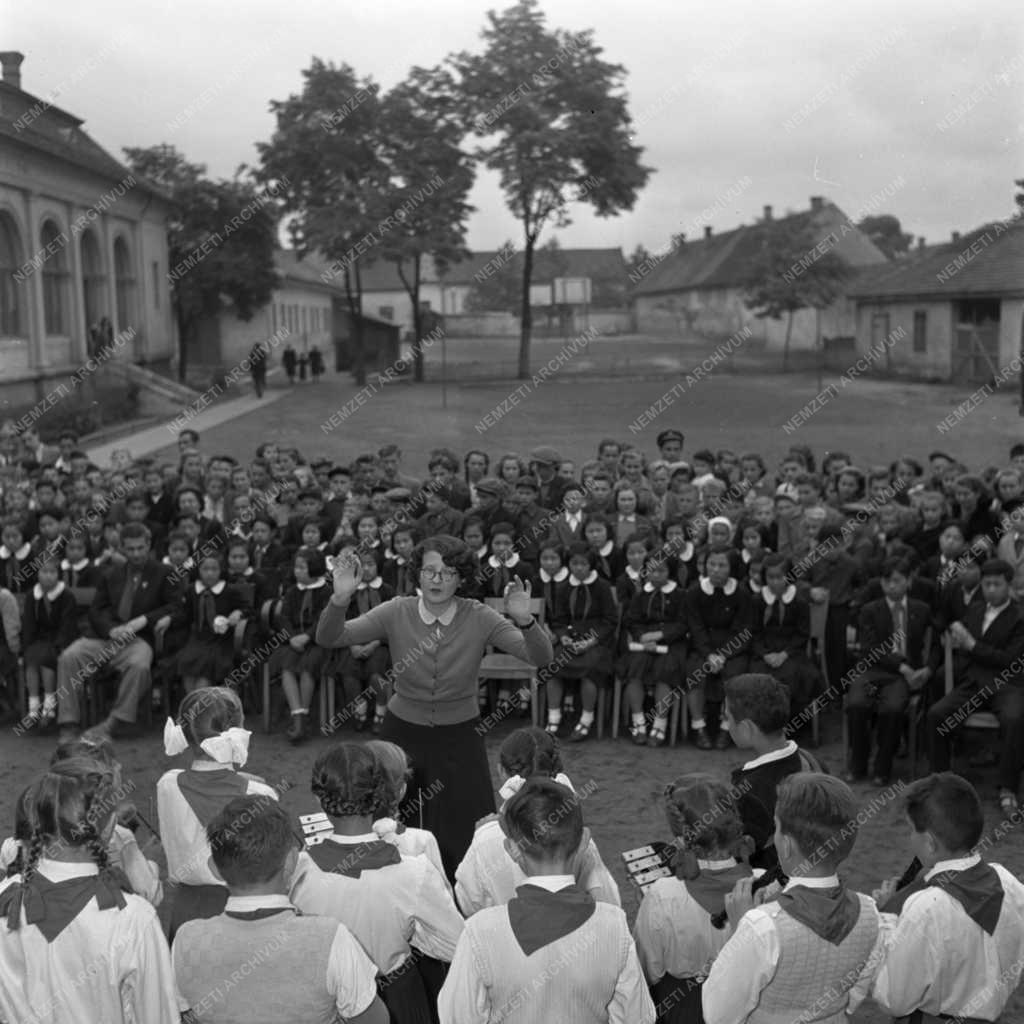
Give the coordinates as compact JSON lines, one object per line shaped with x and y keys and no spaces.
{"x":708,"y":587}
{"x":787,"y":595}
{"x":217,"y":588}
{"x":606,"y":549}
{"x":634,"y":574}
{"x":665,"y":588}
{"x":20,"y":555}
{"x":374,"y":584}
{"x":573,"y":582}
{"x":77,"y":567}
{"x":496,"y":563}
{"x":313,"y":585}
{"x":58,"y":589}
{"x":559,"y":577}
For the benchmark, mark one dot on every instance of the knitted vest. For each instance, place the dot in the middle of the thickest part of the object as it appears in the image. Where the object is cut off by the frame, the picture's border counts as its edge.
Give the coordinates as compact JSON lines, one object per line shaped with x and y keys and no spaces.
{"x":270,"y":969}
{"x":570,"y":981}
{"x":814,"y":977}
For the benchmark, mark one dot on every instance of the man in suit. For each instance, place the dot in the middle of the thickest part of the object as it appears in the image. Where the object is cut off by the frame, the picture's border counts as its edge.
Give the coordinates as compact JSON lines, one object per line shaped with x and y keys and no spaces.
{"x":567,"y":526}
{"x":1011,"y":546}
{"x":544,"y":463}
{"x":988,"y":670}
{"x":892,"y":637}
{"x":129,"y":601}
{"x":492,"y":503}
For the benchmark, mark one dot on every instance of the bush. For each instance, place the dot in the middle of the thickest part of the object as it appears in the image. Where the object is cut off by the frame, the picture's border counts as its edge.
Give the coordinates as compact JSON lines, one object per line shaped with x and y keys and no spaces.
{"x":85,"y":415}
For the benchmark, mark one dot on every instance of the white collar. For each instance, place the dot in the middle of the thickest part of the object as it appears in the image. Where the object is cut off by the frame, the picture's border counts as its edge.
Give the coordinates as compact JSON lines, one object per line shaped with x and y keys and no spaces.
{"x":666,"y":588}
{"x":754,"y":585}
{"x":217,"y":588}
{"x":248,"y":571}
{"x":957,"y":864}
{"x":829,"y":882}
{"x":573,"y":517}
{"x":370,"y":837}
{"x":892,"y":604}
{"x":445,"y":618}
{"x":77,"y":567}
{"x":315,"y":585}
{"x":495,"y":563}
{"x":63,"y":871}
{"x":685,"y":553}
{"x":573,"y":582}
{"x":206,"y":765}
{"x":37,"y":591}
{"x":728,"y":589}
{"x":559,"y":577}
{"x":553,"y":883}
{"x":374,"y":584}
{"x":481,"y":553}
{"x":634,"y":574}
{"x":772,"y":755}
{"x":623,"y":518}
{"x":20,"y":555}
{"x":268,"y":901}
{"x":996,"y":610}
{"x":746,"y":556}
{"x":605,"y":551}
{"x":716,"y":865}
{"x":787,"y":595}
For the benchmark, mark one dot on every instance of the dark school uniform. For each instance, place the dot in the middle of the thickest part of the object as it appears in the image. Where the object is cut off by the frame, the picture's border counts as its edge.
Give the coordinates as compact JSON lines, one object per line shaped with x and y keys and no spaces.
{"x":49,"y":624}
{"x":649,"y":611}
{"x":17,"y":572}
{"x":300,"y":612}
{"x":496,"y":575}
{"x":549,"y":589}
{"x":368,"y":596}
{"x":720,"y":620}
{"x":610,"y":562}
{"x":783,"y":625}
{"x":399,"y":576}
{"x":587,"y":608}
{"x":207,"y":653}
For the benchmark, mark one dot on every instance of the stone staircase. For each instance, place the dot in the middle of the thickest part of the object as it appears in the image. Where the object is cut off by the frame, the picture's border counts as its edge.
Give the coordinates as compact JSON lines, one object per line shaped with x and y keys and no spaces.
{"x":158,"y":395}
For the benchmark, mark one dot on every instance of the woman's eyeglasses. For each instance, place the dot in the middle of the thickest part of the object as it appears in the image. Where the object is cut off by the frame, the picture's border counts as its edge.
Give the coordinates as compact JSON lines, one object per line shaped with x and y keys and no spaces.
{"x":445,"y":574}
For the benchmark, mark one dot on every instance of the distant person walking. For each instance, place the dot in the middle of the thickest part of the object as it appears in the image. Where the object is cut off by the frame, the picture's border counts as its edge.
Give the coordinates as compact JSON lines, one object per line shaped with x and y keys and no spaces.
{"x":258,"y":368}
{"x":316,"y":363}
{"x":288,"y":361}
{"x":303,"y":365}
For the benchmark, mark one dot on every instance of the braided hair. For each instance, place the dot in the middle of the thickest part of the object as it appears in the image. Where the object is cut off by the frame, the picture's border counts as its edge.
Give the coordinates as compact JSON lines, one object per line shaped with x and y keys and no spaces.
{"x":70,"y":804}
{"x":530,"y":752}
{"x":703,"y":815}
{"x":208,"y":712}
{"x":349,"y":781}
{"x":394,"y":765}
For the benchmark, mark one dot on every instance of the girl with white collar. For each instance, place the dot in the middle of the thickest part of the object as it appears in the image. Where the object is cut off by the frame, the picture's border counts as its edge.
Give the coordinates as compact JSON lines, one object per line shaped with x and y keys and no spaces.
{"x":719,"y":614}
{"x":655,"y":623}
{"x":17,"y":573}
{"x":584,"y":629}
{"x":488,"y":876}
{"x":301,"y":661}
{"x":212,"y":609}
{"x":363,"y":668}
{"x":504,"y":563}
{"x":210,"y":727}
{"x":49,"y":624}
{"x":552,"y":577}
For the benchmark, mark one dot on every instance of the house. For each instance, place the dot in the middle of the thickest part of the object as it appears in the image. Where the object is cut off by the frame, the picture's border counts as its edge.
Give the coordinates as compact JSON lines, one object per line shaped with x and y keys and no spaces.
{"x":953,"y":311}
{"x":300,"y":312}
{"x":699,"y":288}
{"x":81,"y":238}
{"x":447,"y":292}
{"x":381,"y":343}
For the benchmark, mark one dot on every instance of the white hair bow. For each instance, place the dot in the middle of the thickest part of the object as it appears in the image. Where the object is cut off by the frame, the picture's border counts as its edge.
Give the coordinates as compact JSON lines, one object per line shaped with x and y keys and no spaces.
{"x":516,"y":783}
{"x":174,"y":738}
{"x":230,"y":747}
{"x":9,"y":850}
{"x":386,"y":829}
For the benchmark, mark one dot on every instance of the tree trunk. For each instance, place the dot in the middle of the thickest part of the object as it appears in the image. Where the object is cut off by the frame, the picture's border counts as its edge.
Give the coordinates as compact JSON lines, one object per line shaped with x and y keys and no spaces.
{"x":184,"y":328}
{"x":417,"y":325}
{"x":785,"y":345}
{"x":526,"y":319}
{"x":354,"y":297}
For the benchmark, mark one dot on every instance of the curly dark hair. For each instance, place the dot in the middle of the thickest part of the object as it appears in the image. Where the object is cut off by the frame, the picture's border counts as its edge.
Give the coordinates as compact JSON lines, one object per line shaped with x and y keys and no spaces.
{"x":530,"y":751}
{"x":702,"y":810}
{"x":454,"y":553}
{"x":349,"y":781}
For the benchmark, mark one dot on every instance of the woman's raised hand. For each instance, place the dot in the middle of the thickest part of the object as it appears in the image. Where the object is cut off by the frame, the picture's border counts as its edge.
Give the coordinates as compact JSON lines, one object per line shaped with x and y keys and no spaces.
{"x":346,"y":572}
{"x":517,"y":601}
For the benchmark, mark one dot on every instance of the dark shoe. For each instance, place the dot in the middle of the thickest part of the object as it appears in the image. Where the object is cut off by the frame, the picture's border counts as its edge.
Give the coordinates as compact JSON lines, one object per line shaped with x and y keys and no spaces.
{"x":362,"y":721}
{"x":580,"y":733}
{"x":123,"y":730}
{"x":702,"y":739}
{"x":657,"y":738}
{"x":378,"y":724}
{"x":297,"y":730}
{"x":639,"y":734}
{"x":723,"y":741}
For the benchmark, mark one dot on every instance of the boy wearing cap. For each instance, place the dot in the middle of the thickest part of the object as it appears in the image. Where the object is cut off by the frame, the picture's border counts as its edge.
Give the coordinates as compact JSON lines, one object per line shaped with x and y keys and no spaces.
{"x":544,"y":463}
{"x":440,"y":517}
{"x":491,"y":502}
{"x":532,"y":523}
{"x":670,"y":445}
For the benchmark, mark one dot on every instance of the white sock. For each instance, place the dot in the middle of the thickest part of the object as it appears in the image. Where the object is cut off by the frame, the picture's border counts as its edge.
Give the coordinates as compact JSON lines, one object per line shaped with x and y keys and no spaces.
{"x":33,"y":705}
{"x":586,"y":717}
{"x":360,"y":708}
{"x":723,"y":726}
{"x":49,"y":702}
{"x":698,"y":723}
{"x":660,"y":723}
{"x":554,"y":716}
{"x":524,"y":696}
{"x":638,"y":718}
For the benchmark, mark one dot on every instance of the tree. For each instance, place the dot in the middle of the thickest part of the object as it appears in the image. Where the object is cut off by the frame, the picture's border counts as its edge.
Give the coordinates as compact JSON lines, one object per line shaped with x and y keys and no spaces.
{"x":887,"y":233}
{"x":555,"y":125}
{"x":790,"y":272}
{"x":221,"y":239}
{"x":422,"y":135}
{"x":326,"y":161}
{"x":1019,"y":197}
{"x":497,"y":285}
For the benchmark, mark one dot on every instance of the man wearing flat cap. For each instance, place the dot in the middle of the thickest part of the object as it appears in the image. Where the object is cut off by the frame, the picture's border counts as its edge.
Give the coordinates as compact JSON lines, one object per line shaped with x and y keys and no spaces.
{"x":492,"y":503}
{"x":670,"y":444}
{"x":544,"y":463}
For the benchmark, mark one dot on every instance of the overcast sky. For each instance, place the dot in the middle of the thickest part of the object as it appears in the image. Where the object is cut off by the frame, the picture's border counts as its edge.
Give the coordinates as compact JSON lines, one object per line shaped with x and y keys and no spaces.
{"x":738,"y":104}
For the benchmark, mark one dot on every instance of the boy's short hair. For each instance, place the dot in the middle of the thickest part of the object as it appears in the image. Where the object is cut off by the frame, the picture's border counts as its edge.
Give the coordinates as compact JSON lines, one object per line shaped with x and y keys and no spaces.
{"x":776,"y":561}
{"x":998,"y":567}
{"x":829,"y":532}
{"x":250,"y":840}
{"x":441,"y":491}
{"x":544,"y":819}
{"x":947,"y":806}
{"x":760,"y":699}
{"x":819,"y":813}
{"x":896,"y":564}
{"x":808,"y":480}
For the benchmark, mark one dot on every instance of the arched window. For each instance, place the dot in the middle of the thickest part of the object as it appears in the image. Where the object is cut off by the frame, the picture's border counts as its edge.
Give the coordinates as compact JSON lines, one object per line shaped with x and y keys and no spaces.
{"x":55,"y":278}
{"x":93,"y":281}
{"x":12,"y":292}
{"x":124,"y":285}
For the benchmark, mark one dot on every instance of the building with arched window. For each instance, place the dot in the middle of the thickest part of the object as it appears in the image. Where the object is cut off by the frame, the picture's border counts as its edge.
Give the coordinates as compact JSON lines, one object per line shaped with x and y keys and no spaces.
{"x":83,"y":250}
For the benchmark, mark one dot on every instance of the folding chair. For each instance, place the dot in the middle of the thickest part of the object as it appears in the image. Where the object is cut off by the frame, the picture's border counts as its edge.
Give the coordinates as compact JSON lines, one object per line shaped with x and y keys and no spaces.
{"x":497,"y":666}
{"x":983,"y":720}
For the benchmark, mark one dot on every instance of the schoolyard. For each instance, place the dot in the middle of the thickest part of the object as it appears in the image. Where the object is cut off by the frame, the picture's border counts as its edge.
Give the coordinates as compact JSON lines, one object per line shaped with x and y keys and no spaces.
{"x":573,"y":409}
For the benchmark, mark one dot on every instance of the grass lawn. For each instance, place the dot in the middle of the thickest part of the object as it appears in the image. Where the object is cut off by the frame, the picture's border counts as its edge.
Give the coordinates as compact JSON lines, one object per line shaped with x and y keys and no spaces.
{"x":872,"y":420}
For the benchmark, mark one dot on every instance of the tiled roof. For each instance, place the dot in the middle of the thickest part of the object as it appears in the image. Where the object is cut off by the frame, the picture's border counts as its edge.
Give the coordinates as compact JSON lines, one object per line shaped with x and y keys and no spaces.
{"x":987,"y":261}
{"x":725,"y":260}
{"x":26,"y":119}
{"x":307,"y":270}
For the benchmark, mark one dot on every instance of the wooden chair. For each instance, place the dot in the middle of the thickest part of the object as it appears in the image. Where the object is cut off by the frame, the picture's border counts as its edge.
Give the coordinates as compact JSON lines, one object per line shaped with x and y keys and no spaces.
{"x":270,"y":619}
{"x":985,"y":720}
{"x":497,"y":665}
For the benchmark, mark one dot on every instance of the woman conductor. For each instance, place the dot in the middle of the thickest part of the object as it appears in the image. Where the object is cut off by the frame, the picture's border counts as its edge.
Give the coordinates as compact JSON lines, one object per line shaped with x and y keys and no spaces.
{"x":437,"y":641}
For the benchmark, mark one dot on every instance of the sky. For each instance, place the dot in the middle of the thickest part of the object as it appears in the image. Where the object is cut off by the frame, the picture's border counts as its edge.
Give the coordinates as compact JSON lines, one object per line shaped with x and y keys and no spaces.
{"x":907,"y":107}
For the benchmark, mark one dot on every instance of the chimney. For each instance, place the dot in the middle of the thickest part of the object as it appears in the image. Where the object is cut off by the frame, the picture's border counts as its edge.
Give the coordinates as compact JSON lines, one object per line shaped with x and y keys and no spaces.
{"x":816,"y":203}
{"x":956,"y":236}
{"x":920,"y":241}
{"x":707,"y":230}
{"x":10,"y":62}
{"x":767,"y":213}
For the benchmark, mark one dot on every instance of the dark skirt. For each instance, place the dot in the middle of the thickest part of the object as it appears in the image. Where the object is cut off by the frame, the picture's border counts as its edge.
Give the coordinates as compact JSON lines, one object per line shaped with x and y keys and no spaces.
{"x":195,"y":903}
{"x":450,"y":789}
{"x":714,"y":690}
{"x":286,"y":659}
{"x":654,"y":668}
{"x":678,"y":1000}
{"x":362,"y":669}
{"x":41,"y":654}
{"x":8,"y":663}
{"x":207,"y":657}
{"x":595,"y":664}
{"x":403,"y":993}
{"x":800,"y":676}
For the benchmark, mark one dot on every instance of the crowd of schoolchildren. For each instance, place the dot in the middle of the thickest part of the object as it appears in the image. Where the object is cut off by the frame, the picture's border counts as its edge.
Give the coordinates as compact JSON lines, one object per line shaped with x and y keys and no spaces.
{"x":698,"y":577}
